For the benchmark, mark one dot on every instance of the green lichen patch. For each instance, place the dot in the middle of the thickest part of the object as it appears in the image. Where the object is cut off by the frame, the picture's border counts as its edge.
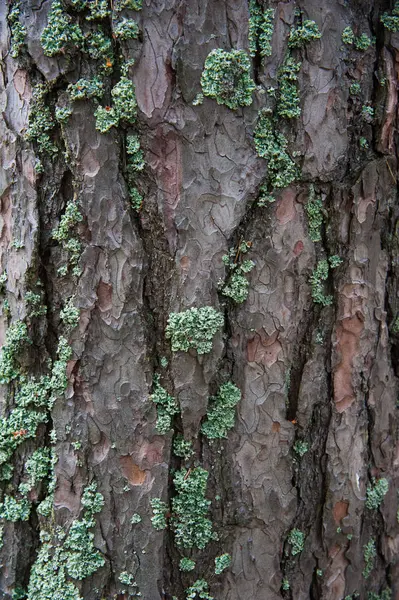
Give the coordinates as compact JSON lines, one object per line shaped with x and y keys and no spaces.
{"x":272,"y":146}
{"x":288,"y":99}
{"x":128,"y":4}
{"x":41,"y":122}
{"x":304,"y":34}
{"x":18,"y":30}
{"x":348,"y":37}
{"x":391,"y":21}
{"x":355,"y":89}
{"x":194,"y":328}
{"x":124,"y":107}
{"x":72,"y":554}
{"x":70,"y":314}
{"x":227,"y":78}
{"x":186,"y":565}
{"x":189,"y":521}
{"x":167,"y":407}
{"x":182,"y":448}
{"x":65,"y":234}
{"x":369,"y":554}
{"x":260,"y":29}
{"x":61,"y":32}
{"x":85,"y":89}
{"x":199,"y":589}
{"x":317,"y":279}
{"x":16,"y":340}
{"x":160,"y":511}
{"x":14,"y":510}
{"x":296,"y":538}
{"x":314,"y":212}
{"x":301,"y":447}
{"x":376,"y":492}
{"x":126,"y":29}
{"x":221,"y":412}
{"x":237,"y":284}
{"x":222,"y":563}
{"x":362,"y":42}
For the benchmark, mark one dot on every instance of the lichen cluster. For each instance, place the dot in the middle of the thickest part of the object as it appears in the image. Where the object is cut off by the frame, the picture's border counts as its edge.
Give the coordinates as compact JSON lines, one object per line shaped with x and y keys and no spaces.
{"x":227,"y":78}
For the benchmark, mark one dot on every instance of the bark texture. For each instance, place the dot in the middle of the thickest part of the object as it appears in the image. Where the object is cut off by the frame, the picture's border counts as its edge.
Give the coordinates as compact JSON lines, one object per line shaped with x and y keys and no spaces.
{"x":326,"y":376}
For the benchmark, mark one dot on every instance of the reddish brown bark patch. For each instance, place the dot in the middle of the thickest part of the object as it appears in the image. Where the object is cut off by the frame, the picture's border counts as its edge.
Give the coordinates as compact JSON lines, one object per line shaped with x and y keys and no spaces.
{"x":340,"y":510}
{"x":298,"y":248}
{"x":286,"y":207}
{"x":104,"y":296}
{"x":131,"y":471}
{"x":348,"y":333}
{"x":166,"y":160}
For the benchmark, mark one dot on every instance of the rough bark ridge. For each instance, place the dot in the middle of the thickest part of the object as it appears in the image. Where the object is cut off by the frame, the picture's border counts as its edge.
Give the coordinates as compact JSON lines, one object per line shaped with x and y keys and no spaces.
{"x":324,"y":376}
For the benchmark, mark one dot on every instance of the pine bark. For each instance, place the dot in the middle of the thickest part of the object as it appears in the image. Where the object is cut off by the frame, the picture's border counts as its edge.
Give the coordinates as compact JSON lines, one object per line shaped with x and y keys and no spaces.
{"x":327,"y":376}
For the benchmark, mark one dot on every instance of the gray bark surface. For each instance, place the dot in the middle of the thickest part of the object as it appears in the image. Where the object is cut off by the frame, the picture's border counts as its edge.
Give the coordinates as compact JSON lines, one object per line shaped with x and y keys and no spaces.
{"x":200,"y":185}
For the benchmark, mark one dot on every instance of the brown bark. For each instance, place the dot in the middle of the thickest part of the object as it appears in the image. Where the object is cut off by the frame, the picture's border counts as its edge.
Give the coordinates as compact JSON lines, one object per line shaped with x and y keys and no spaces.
{"x":200,"y":184}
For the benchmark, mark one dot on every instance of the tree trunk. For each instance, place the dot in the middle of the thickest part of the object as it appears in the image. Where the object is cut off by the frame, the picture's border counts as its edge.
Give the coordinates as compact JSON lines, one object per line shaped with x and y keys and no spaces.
{"x":294,"y":168}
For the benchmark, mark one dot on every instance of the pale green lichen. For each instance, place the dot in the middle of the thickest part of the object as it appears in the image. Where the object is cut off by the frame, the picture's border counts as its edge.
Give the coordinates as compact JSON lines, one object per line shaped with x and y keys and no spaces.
{"x":159,"y":510}
{"x":272,"y":146}
{"x":314,"y":211}
{"x":18,"y":30}
{"x":221,"y":412}
{"x":186,"y":565}
{"x":304,"y":34}
{"x":194,"y":328}
{"x":369,"y":554}
{"x":189,"y":521}
{"x":391,"y":21}
{"x":199,"y":589}
{"x":376,"y":492}
{"x":222,"y":563}
{"x":72,"y":554}
{"x":237,"y":284}
{"x":227,"y":78}
{"x":260,"y":29}
{"x":288,"y":98}
{"x":167,"y":406}
{"x":60,"y":33}
{"x":126,"y":29}
{"x":296,"y":538}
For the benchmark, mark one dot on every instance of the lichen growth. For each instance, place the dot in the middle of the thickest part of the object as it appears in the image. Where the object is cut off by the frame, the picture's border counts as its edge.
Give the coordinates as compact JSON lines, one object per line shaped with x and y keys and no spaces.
{"x":199,"y":589}
{"x":167,"y":407}
{"x":60,"y":33}
{"x":288,"y":99}
{"x":270,"y":145}
{"x":85,"y":89}
{"x":304,"y":34}
{"x":237,"y":284}
{"x":221,"y":412}
{"x":72,"y":554}
{"x":376,"y":492}
{"x":182,"y":448}
{"x":227,"y":78}
{"x":260,"y":29}
{"x":189,"y":521}
{"x":314,"y":212}
{"x":160,"y":510}
{"x":126,"y":29}
{"x":369,"y":554}
{"x":296,"y":538}
{"x":18,"y":30}
{"x":186,"y":565}
{"x":391,"y":21}
{"x":194,"y":328}
{"x":222,"y":563}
